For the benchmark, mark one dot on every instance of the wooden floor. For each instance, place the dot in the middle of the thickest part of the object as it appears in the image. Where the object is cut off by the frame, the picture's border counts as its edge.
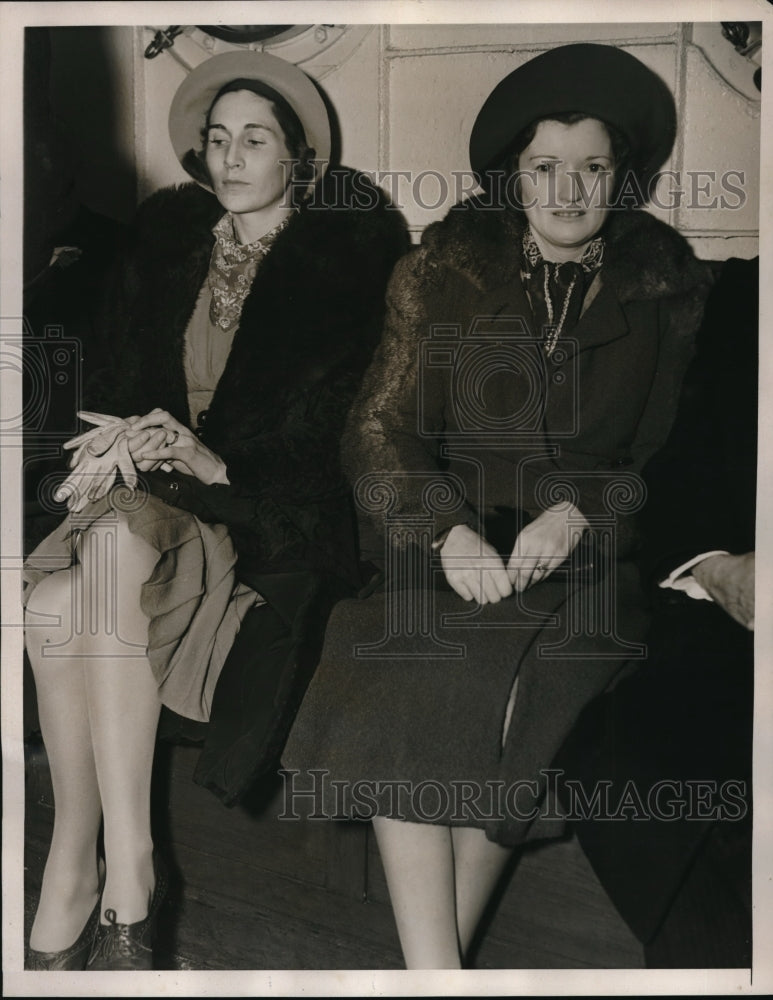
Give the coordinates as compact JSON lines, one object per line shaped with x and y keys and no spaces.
{"x":251,"y":891}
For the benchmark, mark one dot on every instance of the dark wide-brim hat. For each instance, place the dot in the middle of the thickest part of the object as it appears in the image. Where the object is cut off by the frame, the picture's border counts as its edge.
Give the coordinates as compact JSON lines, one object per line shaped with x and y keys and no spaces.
{"x":194,"y":97}
{"x":600,"y":81}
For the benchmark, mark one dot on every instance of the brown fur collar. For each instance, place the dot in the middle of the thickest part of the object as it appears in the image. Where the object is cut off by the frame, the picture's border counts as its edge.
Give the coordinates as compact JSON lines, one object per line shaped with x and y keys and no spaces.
{"x":644,"y":258}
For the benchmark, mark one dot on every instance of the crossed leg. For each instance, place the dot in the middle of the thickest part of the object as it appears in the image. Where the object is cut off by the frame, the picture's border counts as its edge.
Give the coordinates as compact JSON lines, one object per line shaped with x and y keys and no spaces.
{"x":98,"y":701}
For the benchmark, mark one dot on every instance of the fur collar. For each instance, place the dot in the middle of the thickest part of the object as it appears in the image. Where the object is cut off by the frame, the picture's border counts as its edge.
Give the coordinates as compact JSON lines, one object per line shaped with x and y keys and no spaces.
{"x":315,"y":304}
{"x":644,"y":258}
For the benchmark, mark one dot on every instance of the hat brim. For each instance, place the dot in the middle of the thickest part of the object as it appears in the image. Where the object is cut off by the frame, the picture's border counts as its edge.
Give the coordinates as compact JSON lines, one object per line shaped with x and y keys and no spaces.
{"x":194,"y":97}
{"x":600,"y":81}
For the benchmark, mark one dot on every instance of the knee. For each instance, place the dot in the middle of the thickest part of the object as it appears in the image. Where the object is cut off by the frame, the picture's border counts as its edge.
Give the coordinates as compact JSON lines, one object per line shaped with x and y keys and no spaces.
{"x":108,"y":544}
{"x":110,"y":531}
{"x":48,"y":614}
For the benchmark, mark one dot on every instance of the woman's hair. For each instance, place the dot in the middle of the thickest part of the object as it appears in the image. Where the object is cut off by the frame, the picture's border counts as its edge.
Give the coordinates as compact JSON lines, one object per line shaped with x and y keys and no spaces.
{"x":294,"y":135}
{"x":621,"y":153}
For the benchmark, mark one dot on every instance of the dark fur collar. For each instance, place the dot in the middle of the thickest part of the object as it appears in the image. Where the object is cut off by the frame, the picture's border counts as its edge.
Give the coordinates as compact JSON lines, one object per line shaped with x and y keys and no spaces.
{"x":644,"y":259}
{"x":178,"y":216}
{"x":315,"y":303}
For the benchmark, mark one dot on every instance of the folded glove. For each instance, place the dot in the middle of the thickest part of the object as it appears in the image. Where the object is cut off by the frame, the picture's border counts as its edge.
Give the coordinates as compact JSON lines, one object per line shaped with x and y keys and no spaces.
{"x":99,"y":454}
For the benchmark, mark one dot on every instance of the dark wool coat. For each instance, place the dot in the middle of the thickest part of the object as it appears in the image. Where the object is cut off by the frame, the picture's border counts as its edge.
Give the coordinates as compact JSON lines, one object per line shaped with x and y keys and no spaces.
{"x":461,"y":350}
{"x":462,"y":419}
{"x":307,"y":331}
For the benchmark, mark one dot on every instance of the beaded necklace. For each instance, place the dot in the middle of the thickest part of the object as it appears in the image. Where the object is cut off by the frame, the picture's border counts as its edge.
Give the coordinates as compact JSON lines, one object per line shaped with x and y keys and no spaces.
{"x":552,"y":282}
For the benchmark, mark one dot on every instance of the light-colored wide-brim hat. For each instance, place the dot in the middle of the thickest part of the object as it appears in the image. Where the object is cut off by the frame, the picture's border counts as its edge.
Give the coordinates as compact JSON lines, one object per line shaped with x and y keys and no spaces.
{"x":194,"y":97}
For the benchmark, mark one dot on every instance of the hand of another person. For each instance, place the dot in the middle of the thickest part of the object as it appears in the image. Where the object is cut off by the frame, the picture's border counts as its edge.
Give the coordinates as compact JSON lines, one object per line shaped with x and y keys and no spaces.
{"x":544,"y":544}
{"x":729,"y":580}
{"x":180,"y":448}
{"x":473,"y":567}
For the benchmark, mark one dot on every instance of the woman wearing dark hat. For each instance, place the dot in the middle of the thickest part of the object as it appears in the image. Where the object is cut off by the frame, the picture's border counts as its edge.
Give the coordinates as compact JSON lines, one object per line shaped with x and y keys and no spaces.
{"x":530,"y":365}
{"x":247,"y":307}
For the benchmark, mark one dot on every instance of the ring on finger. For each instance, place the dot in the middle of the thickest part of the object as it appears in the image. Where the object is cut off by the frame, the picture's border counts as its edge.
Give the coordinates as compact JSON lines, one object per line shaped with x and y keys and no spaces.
{"x":173,"y":439}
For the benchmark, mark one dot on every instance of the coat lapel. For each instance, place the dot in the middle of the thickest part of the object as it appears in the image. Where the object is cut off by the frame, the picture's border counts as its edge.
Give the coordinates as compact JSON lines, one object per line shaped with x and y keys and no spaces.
{"x":602,"y":322}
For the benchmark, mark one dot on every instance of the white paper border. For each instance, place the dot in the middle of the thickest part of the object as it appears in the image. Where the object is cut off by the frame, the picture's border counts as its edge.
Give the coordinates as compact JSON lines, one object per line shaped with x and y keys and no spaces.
{"x":13,"y":18}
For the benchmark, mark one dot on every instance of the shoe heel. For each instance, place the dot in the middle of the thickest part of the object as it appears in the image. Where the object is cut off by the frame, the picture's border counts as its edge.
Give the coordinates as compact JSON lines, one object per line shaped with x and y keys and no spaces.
{"x":72,"y":959}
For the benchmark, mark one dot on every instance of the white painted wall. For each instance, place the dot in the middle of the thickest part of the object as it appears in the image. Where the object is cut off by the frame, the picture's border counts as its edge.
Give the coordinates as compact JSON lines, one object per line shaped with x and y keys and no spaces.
{"x":406,"y":97}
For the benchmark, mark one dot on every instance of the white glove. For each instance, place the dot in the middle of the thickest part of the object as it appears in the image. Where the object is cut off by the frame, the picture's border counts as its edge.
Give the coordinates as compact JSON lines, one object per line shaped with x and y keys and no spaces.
{"x":99,"y":454}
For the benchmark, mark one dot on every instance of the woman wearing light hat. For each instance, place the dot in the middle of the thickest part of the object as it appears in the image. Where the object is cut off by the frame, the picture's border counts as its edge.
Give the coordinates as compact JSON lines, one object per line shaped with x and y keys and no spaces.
{"x":244,"y":313}
{"x":552,"y":321}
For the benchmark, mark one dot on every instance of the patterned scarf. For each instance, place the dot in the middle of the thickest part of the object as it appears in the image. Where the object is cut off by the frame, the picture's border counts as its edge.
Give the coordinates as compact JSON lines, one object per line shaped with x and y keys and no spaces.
{"x":557,"y":291}
{"x":232,"y":270}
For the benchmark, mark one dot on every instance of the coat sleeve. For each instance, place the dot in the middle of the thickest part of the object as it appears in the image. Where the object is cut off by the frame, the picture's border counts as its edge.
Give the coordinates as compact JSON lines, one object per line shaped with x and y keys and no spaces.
{"x":296,"y":465}
{"x":395,"y":428}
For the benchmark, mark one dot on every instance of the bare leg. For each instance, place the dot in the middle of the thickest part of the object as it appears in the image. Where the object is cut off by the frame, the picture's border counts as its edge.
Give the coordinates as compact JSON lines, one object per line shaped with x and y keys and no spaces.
{"x":440,"y":881}
{"x":101,"y":747}
{"x":478,"y":862}
{"x":123,"y":708}
{"x":478,"y":865}
{"x":70,"y":880}
{"x":419,"y":866}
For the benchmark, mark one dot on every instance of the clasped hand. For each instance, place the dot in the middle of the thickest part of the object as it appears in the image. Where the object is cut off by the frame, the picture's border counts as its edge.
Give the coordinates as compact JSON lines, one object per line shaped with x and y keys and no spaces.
{"x":475,"y":570}
{"x":115,"y":445}
{"x":157,"y":438}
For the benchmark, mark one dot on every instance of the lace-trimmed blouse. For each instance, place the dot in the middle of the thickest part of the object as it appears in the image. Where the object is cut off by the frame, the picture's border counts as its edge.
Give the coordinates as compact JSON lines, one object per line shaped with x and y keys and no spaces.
{"x":218,"y":309}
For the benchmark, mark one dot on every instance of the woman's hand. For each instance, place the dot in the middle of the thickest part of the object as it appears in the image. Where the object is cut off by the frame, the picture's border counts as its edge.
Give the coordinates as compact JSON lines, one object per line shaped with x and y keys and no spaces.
{"x":171,"y":442}
{"x":544,"y":544}
{"x":473,"y":567}
{"x":139,"y":442}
